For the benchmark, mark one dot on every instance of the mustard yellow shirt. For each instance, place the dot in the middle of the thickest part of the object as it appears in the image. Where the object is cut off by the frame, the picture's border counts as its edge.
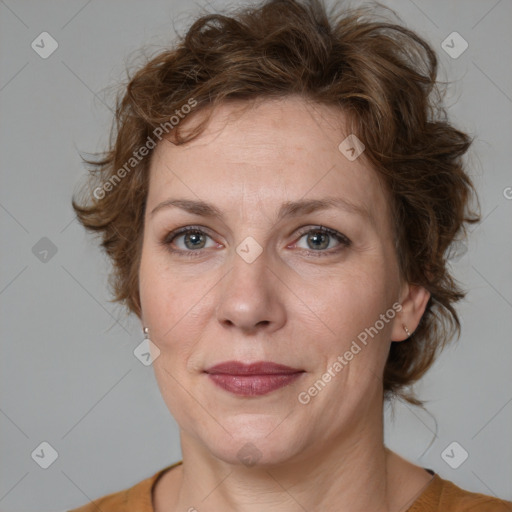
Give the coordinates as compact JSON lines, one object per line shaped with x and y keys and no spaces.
{"x":439,"y":496}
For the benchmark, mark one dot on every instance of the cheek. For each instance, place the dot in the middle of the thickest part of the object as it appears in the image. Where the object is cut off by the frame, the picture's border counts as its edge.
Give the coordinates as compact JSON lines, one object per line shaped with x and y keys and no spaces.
{"x":355,"y":299}
{"x":158,"y":296}
{"x":169,"y":308}
{"x":174,"y":306}
{"x":352,"y":309}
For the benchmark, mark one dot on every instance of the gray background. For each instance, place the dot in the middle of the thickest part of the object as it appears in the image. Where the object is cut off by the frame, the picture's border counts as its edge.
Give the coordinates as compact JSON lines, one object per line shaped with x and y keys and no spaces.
{"x":68,"y":373}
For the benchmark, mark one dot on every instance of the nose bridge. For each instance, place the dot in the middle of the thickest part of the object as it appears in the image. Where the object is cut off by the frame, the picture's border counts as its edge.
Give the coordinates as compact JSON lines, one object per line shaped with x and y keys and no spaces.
{"x":248,"y":279}
{"x":249,"y":295}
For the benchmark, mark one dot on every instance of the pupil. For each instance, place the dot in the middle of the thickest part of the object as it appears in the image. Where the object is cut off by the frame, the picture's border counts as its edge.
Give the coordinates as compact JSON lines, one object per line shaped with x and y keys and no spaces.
{"x":317,"y":237}
{"x":193,"y":238}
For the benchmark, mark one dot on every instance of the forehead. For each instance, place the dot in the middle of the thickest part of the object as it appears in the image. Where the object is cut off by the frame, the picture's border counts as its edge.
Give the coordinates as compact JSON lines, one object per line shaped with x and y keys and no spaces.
{"x":267,"y":151}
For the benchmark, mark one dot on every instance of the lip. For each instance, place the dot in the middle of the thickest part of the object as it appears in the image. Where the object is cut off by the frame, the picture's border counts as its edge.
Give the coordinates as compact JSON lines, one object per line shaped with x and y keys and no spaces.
{"x":254,"y":379}
{"x":257,"y":368}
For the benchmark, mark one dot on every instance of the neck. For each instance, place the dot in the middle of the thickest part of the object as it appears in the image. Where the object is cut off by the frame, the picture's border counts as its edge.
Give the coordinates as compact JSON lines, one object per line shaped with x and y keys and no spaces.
{"x":353,"y":472}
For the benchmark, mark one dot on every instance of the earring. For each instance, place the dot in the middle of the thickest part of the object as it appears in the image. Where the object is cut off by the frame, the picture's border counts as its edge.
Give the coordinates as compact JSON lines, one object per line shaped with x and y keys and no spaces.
{"x":145,"y":330}
{"x":406,"y":330}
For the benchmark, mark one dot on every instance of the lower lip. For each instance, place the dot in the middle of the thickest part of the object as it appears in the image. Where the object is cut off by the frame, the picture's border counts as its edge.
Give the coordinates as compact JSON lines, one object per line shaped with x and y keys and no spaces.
{"x":253,"y":385}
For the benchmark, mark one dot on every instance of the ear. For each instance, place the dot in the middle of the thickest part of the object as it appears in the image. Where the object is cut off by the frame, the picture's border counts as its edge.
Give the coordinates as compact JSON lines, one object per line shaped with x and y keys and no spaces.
{"x":414,"y":301}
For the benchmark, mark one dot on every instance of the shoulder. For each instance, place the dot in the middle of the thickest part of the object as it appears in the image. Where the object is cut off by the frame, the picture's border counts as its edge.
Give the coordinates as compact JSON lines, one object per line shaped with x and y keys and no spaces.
{"x":138,"y":497}
{"x":441,"y":495}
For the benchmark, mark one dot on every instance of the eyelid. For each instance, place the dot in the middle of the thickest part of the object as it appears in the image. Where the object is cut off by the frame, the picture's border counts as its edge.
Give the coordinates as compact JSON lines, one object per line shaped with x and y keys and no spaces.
{"x":323,"y":229}
{"x":185,"y":229}
{"x":170,"y":237}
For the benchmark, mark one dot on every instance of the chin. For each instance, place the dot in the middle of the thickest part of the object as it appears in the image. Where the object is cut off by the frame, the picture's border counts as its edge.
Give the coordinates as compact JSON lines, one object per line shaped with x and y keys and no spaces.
{"x":260,"y":443}
{"x":255,"y":454}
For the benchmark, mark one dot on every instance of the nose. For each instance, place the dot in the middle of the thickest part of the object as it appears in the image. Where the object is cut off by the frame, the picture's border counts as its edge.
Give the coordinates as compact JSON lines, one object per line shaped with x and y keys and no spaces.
{"x":251,"y":297}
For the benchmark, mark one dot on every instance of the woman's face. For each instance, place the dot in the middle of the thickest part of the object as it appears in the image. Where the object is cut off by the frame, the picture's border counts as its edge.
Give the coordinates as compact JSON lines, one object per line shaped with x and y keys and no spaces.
{"x":257,"y":281}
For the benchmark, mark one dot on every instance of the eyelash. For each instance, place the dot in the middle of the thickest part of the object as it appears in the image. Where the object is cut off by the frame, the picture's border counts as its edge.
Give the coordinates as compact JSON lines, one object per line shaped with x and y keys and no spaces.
{"x":344,"y":241}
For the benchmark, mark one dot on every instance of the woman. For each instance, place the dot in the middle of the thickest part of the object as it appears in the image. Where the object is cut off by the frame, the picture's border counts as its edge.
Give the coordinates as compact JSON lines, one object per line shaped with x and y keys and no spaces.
{"x":278,"y":203}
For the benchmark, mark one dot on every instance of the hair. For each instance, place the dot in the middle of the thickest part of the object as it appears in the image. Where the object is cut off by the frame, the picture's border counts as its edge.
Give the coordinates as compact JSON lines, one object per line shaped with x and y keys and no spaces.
{"x":379,"y":73}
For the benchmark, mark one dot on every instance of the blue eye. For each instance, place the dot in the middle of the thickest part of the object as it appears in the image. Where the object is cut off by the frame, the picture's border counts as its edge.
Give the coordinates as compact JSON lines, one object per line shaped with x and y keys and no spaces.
{"x":194,"y":239}
{"x":319,"y":239}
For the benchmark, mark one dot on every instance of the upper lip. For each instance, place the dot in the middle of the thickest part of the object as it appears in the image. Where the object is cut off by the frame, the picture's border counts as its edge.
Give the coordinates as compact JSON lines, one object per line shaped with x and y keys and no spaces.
{"x":257,"y":368}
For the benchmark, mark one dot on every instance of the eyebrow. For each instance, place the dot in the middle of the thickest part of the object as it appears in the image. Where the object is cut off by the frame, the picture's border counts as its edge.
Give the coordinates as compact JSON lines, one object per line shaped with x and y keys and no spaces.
{"x":287,"y":209}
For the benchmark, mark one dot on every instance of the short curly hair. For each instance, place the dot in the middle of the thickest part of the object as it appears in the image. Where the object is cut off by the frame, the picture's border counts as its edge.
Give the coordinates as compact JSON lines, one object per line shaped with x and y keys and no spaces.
{"x":381,"y":74}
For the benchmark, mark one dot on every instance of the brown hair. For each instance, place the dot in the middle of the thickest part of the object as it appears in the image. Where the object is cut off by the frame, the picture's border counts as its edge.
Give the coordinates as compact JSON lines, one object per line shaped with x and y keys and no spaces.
{"x":382,"y":75}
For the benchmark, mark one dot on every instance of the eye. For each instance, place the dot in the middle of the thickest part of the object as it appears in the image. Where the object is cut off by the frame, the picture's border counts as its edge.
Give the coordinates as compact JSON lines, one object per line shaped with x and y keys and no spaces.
{"x":188,"y":239}
{"x":321,"y":240}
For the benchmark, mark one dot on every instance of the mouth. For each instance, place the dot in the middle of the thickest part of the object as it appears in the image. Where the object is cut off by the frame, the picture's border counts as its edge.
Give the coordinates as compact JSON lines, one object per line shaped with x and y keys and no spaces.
{"x":253,"y":379}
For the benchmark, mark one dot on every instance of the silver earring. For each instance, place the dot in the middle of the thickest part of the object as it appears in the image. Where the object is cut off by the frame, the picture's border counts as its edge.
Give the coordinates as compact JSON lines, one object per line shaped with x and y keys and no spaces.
{"x":146,"y":333}
{"x":406,"y":330}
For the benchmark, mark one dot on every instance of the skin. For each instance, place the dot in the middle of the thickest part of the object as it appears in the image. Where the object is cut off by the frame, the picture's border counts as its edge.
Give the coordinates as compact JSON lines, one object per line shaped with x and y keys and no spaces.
{"x":289,"y":306}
